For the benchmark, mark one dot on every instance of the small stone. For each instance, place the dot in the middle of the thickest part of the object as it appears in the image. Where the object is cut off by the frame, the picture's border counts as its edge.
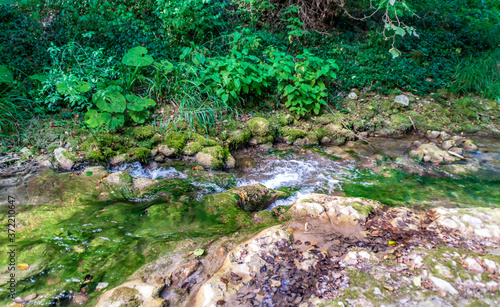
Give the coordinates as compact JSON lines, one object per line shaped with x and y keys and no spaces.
{"x":230,"y":162}
{"x":443,"y":271}
{"x":490,"y":265}
{"x":492,"y":286}
{"x":352,"y":96}
{"x":101,"y":286}
{"x":417,"y":281}
{"x":117,"y":160}
{"x":433,"y":134}
{"x":457,"y":150}
{"x":444,"y":136}
{"x":443,"y":285}
{"x":388,"y":288}
{"x":30,"y":297}
{"x":447,"y":144}
{"x":62,"y":157}
{"x":18,"y":300}
{"x":376,"y":291}
{"x":165,"y":150}
{"x":402,"y":99}
{"x":473,"y":266}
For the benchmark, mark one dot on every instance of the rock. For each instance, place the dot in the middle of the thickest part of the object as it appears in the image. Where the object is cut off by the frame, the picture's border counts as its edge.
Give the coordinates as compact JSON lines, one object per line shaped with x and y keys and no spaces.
{"x":101,"y":286}
{"x":443,"y":271}
{"x":352,"y":96}
{"x":132,"y":293}
{"x":443,"y":285}
{"x":64,"y":158}
{"x":94,"y":171}
{"x":242,"y":261}
{"x":473,"y":266}
{"x":79,"y":299}
{"x":457,"y":150}
{"x":490,"y":265}
{"x":165,"y":150}
{"x":44,"y":164}
{"x":259,"y":126}
{"x":230,"y":162}
{"x":238,"y":138}
{"x":447,"y":144}
{"x":143,"y":183}
{"x":334,"y":209}
{"x":402,"y":99}
{"x":492,"y":286}
{"x":469,"y":146}
{"x":30,"y":297}
{"x":119,"y":178}
{"x":211,"y":157}
{"x":117,"y":160}
{"x":432,"y":135}
{"x":432,"y":153}
{"x":192,"y":148}
{"x":444,"y":136}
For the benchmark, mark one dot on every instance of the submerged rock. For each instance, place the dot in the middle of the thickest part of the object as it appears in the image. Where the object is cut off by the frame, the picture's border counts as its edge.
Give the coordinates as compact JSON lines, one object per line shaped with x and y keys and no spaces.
{"x":120,"y":178}
{"x":133,"y":293}
{"x":432,"y":153}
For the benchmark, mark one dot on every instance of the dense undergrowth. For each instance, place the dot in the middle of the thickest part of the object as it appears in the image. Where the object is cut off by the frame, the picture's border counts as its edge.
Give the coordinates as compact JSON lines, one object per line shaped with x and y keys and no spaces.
{"x":120,"y":63}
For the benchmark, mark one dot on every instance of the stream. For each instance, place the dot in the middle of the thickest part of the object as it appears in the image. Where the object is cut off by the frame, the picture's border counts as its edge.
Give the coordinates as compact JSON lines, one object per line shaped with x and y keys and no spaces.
{"x":106,"y":241}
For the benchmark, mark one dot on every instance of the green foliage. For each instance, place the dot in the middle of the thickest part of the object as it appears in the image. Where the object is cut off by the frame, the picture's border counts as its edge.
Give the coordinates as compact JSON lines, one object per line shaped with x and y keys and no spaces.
{"x":302,"y":80}
{"x":480,"y":75}
{"x":112,"y":107}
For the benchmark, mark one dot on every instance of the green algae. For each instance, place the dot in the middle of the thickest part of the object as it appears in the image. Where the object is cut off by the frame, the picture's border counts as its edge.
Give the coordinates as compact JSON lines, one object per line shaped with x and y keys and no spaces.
{"x":396,"y":188}
{"x":109,"y":240}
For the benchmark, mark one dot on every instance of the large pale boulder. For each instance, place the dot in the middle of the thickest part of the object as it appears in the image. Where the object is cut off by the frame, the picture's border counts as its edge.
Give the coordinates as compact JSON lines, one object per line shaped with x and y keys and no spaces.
{"x":120,"y":178}
{"x":211,"y":157}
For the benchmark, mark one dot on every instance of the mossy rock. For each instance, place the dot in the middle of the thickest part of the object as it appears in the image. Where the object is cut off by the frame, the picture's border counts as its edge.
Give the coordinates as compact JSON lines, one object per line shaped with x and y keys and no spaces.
{"x":141,"y":154}
{"x":143,"y":132}
{"x":291,"y":134}
{"x":211,"y":157}
{"x":192,"y":148}
{"x":238,"y":138}
{"x":119,"y":178}
{"x":259,"y":126}
{"x":206,"y":179}
{"x":176,"y":141}
{"x":65,"y":159}
{"x":232,"y":206}
{"x":335,"y":134}
{"x":400,"y":123}
{"x":256,"y":140}
{"x":203,"y":140}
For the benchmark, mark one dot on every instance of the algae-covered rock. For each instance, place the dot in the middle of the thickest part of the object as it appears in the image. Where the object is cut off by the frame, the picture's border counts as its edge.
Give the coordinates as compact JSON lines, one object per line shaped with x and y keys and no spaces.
{"x":65,"y":159}
{"x":165,"y":150}
{"x":238,"y":138}
{"x":291,"y":134}
{"x":335,"y":134}
{"x":94,"y":171}
{"x":118,"y":160}
{"x":143,"y":183}
{"x":232,"y":206}
{"x":211,"y":157}
{"x":256,"y":140}
{"x":120,"y":178}
{"x":259,"y":126}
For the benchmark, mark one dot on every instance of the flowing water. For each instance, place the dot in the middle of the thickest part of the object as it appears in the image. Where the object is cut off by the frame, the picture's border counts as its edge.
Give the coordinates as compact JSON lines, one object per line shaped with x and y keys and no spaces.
{"x":108,"y":240}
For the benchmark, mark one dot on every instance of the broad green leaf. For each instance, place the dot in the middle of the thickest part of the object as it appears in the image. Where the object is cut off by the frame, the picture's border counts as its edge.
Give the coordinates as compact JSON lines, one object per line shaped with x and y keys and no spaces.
{"x":89,"y":173}
{"x":39,"y":77}
{"x":400,"y":31}
{"x":225,"y":97}
{"x":72,"y":87}
{"x":139,"y":116}
{"x":6,"y":75}
{"x":113,"y":121}
{"x":93,"y":119}
{"x":199,"y":252}
{"x":137,"y":103}
{"x":110,"y":100}
{"x":137,"y":57}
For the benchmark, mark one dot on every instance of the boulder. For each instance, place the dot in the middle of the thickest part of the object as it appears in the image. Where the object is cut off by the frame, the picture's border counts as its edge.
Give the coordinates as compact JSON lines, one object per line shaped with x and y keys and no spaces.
{"x":469,"y":146}
{"x":259,"y":126}
{"x":117,"y":160}
{"x":230,"y":162}
{"x":165,"y":150}
{"x":211,"y":157}
{"x":352,"y":96}
{"x":64,"y":158}
{"x":192,"y":148}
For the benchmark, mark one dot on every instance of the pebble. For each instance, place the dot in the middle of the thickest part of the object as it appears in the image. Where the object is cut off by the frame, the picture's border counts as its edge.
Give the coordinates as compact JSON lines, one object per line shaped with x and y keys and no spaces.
{"x":443,"y":285}
{"x":490,"y":265}
{"x":473,"y":266}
